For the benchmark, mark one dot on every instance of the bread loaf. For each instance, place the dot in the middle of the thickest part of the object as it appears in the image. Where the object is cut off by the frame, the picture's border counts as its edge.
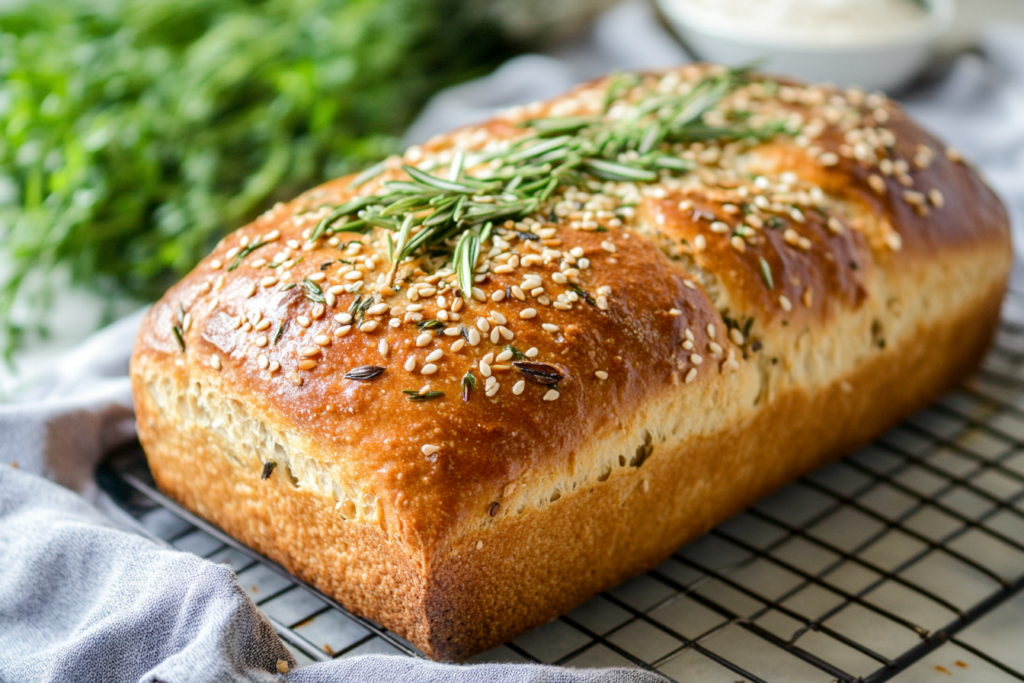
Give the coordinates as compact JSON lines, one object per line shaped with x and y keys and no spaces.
{"x":533,"y":357}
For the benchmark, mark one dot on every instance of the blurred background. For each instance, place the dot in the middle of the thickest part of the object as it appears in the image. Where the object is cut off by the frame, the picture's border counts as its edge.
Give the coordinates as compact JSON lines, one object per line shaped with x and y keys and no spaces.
{"x":136,"y":133}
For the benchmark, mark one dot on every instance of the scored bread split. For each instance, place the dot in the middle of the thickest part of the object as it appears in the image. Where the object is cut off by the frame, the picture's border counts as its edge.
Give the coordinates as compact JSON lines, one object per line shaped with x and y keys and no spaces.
{"x":535,"y":356}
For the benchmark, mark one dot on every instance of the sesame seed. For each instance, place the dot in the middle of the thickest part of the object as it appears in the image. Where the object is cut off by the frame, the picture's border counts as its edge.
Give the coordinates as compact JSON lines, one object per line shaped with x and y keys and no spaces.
{"x":485,"y":368}
{"x":294,"y":378}
{"x":316,"y":277}
{"x":303,"y":321}
{"x":353,"y":275}
{"x":428,"y":369}
{"x":688,"y":345}
{"x":608,"y":246}
{"x":424,"y":339}
{"x":317,"y":312}
{"x":478,"y":294}
{"x":504,"y":356}
{"x":342,"y":331}
{"x":262,"y":341}
{"x":479,"y":545}
{"x":377,"y":309}
{"x":719,"y":227}
{"x":696,"y":359}
{"x":435,"y":356}
{"x":383,"y":348}
{"x":424,"y":390}
{"x":787,"y":306}
{"x":601,"y":374}
{"x":519,"y":387}
{"x":268,"y":281}
{"x":451,"y":332}
{"x":532,"y":352}
{"x":528,"y":313}
{"x":715,"y":348}
{"x":307,"y":364}
{"x":474,"y":337}
{"x":430,"y":449}
{"x":691,"y":375}
{"x":828,"y":159}
{"x":369,"y":326}
{"x":216,"y":264}
{"x":321,"y":340}
{"x":457,"y":346}
{"x":877,"y":183}
{"x":700,"y":242}
{"x":551,"y":395}
{"x":953,"y":154}
{"x":215,"y":362}
{"x":343,"y":318}
{"x":689,"y":284}
{"x":498,"y":295}
{"x":482,"y":324}
{"x":309,"y":351}
{"x":410,"y":363}
{"x":913,"y":198}
{"x":491,"y":381}
{"x":498,"y":318}
{"x":711,"y":330}
{"x":274,"y":366}
{"x":936,"y":198}
{"x":736,"y":336}
{"x":506,"y":333}
{"x":336,"y":289}
{"x":250,"y":290}
{"x":263,"y":361}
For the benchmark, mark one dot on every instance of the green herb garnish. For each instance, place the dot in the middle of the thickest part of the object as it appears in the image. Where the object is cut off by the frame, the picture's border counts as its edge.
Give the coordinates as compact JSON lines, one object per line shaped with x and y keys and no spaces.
{"x":430,"y":213}
{"x":766,"y":273}
{"x":516,"y":353}
{"x":468,"y":384}
{"x":415,"y":395}
{"x":243,"y":252}
{"x":312,"y":291}
{"x":178,"y":337}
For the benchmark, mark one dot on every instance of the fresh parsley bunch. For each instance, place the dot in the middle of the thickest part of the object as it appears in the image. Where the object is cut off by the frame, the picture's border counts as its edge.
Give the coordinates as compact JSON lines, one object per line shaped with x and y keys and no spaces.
{"x":136,"y":133}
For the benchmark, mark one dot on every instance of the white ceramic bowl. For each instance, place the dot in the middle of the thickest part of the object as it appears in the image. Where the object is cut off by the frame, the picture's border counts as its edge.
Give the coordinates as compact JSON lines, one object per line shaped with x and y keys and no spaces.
{"x":881,"y":64}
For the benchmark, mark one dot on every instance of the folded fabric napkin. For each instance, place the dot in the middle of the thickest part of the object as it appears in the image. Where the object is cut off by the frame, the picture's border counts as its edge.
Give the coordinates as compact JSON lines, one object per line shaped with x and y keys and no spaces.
{"x":84,"y":600}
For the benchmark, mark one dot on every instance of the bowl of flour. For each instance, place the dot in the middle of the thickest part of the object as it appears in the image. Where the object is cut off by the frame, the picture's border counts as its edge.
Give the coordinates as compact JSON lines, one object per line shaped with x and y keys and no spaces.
{"x":875,"y":44}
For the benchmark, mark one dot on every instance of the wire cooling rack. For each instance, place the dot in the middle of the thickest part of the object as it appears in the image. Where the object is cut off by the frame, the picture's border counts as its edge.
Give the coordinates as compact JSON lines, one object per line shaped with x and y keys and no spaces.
{"x":901,"y":562}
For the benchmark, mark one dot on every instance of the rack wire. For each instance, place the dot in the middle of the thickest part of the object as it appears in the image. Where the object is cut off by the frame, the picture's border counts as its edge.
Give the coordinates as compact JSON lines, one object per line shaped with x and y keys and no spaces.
{"x":860,"y":572}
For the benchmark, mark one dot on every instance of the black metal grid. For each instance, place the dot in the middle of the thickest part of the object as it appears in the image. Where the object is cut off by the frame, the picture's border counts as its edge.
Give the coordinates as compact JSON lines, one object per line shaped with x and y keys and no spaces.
{"x":854,"y":573}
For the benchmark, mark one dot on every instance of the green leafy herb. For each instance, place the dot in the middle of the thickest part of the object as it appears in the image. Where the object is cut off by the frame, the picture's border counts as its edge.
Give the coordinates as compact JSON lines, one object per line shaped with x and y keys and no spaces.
{"x":766,"y":273}
{"x":415,"y":395}
{"x":280,"y":331}
{"x":582,"y":294}
{"x":178,"y":337}
{"x":312,"y":291}
{"x":468,"y":384}
{"x":431,"y":324}
{"x":243,"y":252}
{"x":137,"y":133}
{"x":516,"y":353}
{"x":431,"y":213}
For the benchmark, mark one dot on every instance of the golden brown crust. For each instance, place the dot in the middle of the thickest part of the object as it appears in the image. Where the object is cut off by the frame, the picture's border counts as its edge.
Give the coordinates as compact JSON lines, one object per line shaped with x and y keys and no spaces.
{"x":870,"y":292}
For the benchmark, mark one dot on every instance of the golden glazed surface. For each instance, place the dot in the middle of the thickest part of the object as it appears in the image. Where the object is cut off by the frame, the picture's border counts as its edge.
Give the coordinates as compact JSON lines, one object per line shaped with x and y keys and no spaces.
{"x":718,"y":332}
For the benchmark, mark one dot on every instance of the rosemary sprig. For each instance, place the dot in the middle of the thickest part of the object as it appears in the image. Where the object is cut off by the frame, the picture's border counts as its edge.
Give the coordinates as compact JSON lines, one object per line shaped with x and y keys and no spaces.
{"x":455,"y":214}
{"x":468,"y":384}
{"x":312,"y":291}
{"x":178,"y":337}
{"x":766,"y":273}
{"x":415,"y":395}
{"x":243,"y":252}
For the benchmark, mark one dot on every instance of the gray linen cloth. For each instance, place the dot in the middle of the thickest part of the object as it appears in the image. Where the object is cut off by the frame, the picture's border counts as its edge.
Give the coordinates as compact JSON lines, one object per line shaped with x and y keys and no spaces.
{"x":82,"y":599}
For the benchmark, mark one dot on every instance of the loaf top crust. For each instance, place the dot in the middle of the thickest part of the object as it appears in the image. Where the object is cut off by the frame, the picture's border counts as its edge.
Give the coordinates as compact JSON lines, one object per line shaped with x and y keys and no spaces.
{"x":621,"y":291}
